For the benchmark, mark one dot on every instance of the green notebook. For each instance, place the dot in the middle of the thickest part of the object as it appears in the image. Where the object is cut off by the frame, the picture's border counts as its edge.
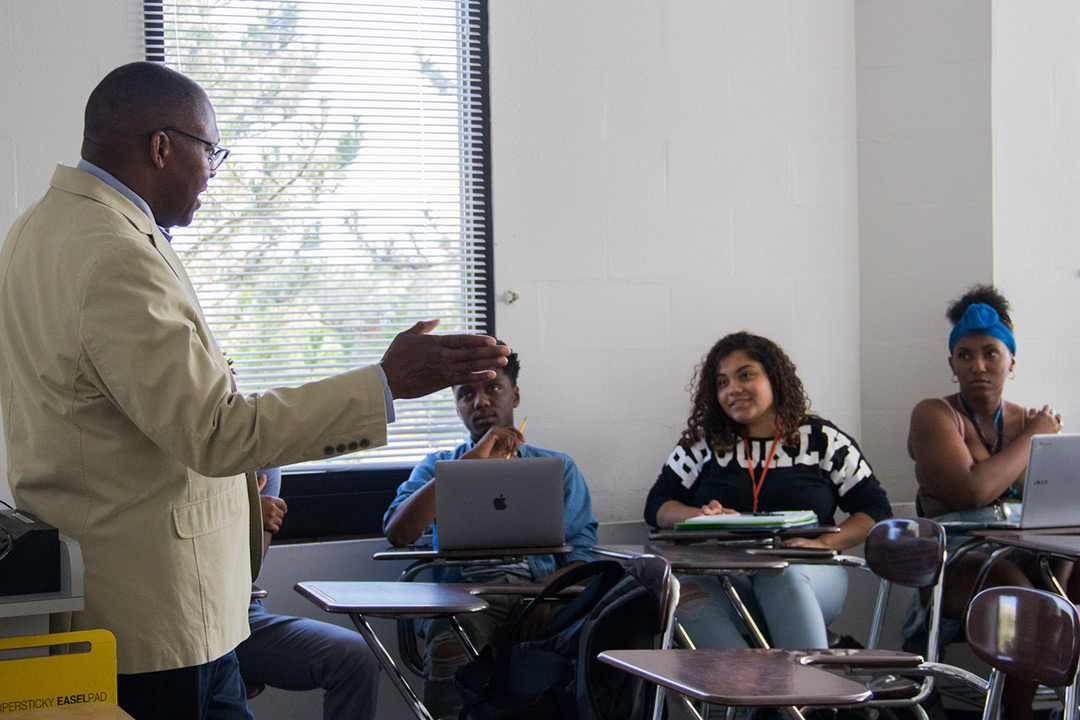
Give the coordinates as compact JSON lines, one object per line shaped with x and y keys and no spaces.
{"x":750,"y":521}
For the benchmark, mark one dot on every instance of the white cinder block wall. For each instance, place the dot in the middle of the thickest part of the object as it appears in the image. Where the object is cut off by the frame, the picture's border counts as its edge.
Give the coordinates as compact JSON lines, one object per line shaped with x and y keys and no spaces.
{"x":52,"y":54}
{"x":1036,"y":186}
{"x":967,"y":119}
{"x":666,"y":173}
{"x":925,"y":213}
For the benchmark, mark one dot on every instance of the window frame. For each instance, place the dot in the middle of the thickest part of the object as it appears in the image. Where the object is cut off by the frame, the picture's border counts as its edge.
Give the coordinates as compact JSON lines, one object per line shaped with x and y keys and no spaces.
{"x":340,"y":493}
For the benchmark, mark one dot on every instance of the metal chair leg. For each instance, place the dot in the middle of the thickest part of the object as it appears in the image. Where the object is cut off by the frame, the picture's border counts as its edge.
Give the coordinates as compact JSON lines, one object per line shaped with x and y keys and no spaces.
{"x":744,"y":613}
{"x":387,"y":662}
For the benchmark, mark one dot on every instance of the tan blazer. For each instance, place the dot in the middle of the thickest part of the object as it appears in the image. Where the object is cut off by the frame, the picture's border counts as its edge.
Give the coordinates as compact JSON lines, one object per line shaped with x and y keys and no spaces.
{"x":124,"y":429}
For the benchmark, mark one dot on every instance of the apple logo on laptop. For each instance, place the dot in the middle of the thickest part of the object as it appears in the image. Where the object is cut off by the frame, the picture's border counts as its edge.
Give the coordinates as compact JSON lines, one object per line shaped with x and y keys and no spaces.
{"x":499,"y":503}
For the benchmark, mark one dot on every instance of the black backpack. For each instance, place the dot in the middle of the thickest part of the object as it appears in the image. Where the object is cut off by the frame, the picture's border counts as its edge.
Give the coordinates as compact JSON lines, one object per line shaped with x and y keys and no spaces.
{"x":555,"y":674}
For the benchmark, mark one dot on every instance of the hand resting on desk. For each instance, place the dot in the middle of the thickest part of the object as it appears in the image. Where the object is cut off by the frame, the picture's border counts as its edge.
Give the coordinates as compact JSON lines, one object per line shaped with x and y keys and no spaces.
{"x":852,"y":532}
{"x":673,"y":512}
{"x":715,"y":508}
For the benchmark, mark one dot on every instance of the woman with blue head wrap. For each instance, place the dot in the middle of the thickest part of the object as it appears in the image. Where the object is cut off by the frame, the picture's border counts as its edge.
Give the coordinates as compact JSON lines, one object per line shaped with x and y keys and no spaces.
{"x":970,"y":450}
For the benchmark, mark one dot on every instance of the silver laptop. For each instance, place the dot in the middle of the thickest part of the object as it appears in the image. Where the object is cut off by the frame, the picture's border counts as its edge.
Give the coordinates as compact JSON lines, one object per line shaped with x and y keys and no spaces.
{"x":485,"y":504}
{"x":1051,"y":484}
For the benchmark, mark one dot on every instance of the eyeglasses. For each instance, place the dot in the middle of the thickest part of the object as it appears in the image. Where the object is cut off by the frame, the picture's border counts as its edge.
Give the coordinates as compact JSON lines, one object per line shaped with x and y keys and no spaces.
{"x":217,"y":153}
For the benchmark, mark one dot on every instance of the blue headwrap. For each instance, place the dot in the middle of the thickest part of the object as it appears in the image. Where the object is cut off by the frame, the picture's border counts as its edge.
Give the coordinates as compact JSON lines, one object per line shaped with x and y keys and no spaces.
{"x":981,"y":319}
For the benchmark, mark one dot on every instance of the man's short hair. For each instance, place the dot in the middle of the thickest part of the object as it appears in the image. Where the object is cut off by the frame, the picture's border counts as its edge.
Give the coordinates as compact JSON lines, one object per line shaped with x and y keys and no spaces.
{"x":137,"y":99}
{"x":512,"y":366}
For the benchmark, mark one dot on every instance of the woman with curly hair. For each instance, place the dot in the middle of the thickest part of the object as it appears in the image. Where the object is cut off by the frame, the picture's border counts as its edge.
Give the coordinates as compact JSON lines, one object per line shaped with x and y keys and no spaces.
{"x":970,"y":451}
{"x":752,"y":445}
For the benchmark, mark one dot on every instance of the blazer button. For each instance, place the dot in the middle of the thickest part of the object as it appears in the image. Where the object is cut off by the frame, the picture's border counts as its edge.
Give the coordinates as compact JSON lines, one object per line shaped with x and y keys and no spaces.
{"x":341,"y":447}
{"x":364,"y":443}
{"x":353,"y":445}
{"x":329,"y":450}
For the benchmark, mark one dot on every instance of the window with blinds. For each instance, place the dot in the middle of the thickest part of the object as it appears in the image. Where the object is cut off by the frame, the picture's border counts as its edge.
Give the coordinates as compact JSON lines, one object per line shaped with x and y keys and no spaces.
{"x":355,"y":200}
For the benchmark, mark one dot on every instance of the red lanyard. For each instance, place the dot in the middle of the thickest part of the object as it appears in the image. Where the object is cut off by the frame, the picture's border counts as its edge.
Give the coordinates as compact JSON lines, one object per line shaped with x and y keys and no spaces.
{"x":754,"y":482}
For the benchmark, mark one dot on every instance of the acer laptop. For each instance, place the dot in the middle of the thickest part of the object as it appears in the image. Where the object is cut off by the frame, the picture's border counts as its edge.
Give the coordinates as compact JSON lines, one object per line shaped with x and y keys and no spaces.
{"x":488,"y":504}
{"x":1051,"y":484}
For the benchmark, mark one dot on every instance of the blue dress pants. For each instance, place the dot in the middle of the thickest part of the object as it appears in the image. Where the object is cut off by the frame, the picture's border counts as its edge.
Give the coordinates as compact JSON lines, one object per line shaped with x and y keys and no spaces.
{"x":302,"y":654}
{"x":211,"y":691}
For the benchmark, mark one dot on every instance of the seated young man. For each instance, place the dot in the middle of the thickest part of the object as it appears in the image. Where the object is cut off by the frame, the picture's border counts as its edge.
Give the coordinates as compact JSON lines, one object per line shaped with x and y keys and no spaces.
{"x":487,"y":409}
{"x":302,"y":654}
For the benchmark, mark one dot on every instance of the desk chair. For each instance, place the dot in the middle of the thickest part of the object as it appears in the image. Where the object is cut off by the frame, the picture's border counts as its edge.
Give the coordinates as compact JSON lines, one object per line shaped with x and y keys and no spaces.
{"x":900,"y":552}
{"x":610,"y":631}
{"x":910,"y":553}
{"x":360,"y":600}
{"x":1027,"y":634}
{"x":722,"y":678}
{"x":409,"y":648}
{"x":424,"y":558}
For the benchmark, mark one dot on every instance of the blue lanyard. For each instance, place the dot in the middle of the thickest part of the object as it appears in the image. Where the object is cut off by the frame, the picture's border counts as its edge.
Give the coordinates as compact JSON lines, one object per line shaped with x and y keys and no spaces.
{"x":998,"y":424}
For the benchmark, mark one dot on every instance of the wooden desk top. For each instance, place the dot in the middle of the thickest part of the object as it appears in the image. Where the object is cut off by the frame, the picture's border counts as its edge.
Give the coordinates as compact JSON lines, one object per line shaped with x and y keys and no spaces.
{"x":1061,"y":530}
{"x":422,"y":552}
{"x":82,"y":711}
{"x":858,"y":658}
{"x":740,"y":536}
{"x":700,"y":559}
{"x":391,"y":599}
{"x":981,"y":529}
{"x":733,"y":678}
{"x":1067,"y":546}
{"x":516,"y":589}
{"x":793,"y":553}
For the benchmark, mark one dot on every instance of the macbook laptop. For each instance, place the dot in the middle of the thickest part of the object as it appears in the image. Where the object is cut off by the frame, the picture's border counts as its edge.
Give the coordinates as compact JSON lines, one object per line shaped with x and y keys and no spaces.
{"x":482,"y":504}
{"x":1051,"y":484}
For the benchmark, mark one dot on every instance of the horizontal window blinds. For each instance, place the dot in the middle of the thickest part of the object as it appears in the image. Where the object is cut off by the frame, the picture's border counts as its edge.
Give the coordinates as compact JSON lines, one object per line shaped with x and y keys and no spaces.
{"x":355,"y":200}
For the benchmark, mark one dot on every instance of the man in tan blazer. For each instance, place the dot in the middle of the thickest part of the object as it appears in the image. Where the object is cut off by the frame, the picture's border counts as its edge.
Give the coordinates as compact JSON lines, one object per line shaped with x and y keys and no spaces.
{"x":122,"y":423}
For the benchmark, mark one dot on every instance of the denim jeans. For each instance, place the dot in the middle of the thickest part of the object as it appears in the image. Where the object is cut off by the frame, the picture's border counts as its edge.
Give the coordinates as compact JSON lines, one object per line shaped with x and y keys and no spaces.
{"x":793,"y":607}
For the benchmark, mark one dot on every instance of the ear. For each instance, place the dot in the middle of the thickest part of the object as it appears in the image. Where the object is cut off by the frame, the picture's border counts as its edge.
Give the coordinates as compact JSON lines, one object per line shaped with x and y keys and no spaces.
{"x":160,"y":147}
{"x":951,"y":365}
{"x":517,"y":396}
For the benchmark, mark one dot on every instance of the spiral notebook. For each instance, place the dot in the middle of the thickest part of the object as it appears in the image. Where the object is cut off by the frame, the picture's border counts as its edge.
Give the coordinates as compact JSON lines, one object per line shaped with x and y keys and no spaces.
{"x":750,"y":521}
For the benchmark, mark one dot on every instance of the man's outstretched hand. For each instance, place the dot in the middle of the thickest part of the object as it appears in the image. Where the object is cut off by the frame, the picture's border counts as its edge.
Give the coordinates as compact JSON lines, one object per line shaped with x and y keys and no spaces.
{"x":417,"y":363}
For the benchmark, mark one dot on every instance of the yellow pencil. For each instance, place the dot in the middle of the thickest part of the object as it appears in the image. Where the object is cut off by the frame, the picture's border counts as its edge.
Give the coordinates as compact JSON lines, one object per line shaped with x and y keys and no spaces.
{"x":520,"y":429}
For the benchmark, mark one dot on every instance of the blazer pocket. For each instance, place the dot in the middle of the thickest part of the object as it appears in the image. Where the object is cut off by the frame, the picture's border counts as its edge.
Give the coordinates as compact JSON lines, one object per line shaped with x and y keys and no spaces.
{"x":210,"y":514}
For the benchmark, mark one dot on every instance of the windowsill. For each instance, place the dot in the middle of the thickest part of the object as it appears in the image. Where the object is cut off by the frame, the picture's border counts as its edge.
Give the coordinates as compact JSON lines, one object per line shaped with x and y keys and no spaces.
{"x":343,"y":504}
